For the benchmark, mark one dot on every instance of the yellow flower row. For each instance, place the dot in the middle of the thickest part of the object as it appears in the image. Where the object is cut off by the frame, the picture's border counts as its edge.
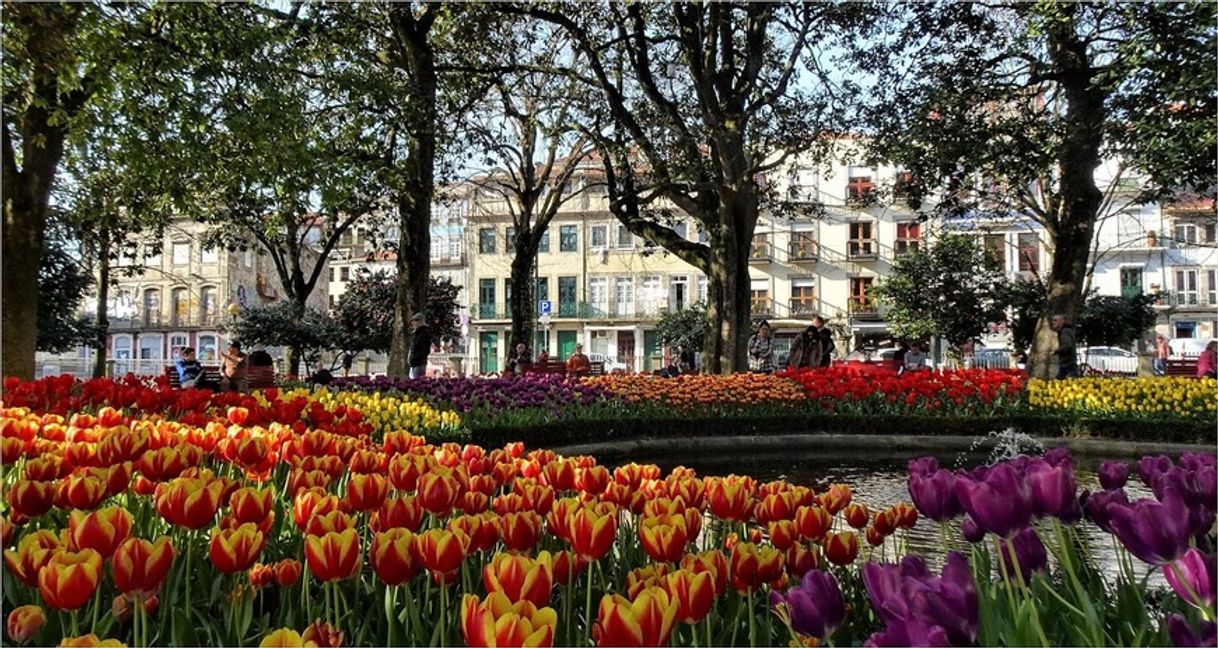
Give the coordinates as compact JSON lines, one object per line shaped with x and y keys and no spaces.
{"x":1170,"y":396}
{"x":387,"y":413}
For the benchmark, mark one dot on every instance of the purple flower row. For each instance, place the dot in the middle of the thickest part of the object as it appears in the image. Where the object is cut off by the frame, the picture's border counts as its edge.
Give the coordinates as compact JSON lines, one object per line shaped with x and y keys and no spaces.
{"x":497,"y":394}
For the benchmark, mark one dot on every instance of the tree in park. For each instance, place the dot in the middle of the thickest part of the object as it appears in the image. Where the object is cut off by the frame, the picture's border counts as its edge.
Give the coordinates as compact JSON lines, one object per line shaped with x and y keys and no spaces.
{"x":530,"y":153}
{"x":952,"y":289}
{"x":363,"y":317}
{"x":1014,"y":108}
{"x":63,"y":283}
{"x":282,"y":324}
{"x":698,"y":102}
{"x":685,"y":328}
{"x":1104,"y":320}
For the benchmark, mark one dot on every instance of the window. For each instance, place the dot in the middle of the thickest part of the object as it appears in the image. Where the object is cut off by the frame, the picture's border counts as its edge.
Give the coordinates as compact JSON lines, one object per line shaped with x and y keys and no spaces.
{"x":653,"y":295}
{"x":125,"y":255}
{"x":681,"y":228}
{"x":861,"y":243}
{"x":803,"y":298}
{"x":248,"y":260}
{"x":437,"y":249}
{"x":759,"y":291}
{"x":598,"y":294}
{"x":1194,"y":232}
{"x":150,"y":347}
{"x":860,"y":295}
{"x":702,"y":288}
{"x":181,"y":253}
{"x":678,"y":290}
{"x":1029,"y":253}
{"x":624,"y":296}
{"x":332,"y":274}
{"x":908,"y":238}
{"x":454,"y":248}
{"x":995,"y":246}
{"x":599,"y":235}
{"x":858,"y":184}
{"x":179,"y":304}
{"x":1186,"y":233}
{"x":568,"y":238}
{"x":152,"y":307}
{"x":624,"y":238}
{"x":509,"y":239}
{"x":208,"y":308}
{"x":347,"y":238}
{"x":1212,"y":283}
{"x":486,"y":298}
{"x":803,"y":245}
{"x":703,"y":235}
{"x":507,"y":295}
{"x":209,"y":255}
{"x":207,"y":348}
{"x":152,"y":255}
{"x":760,"y":249}
{"x":122,"y":347}
{"x":345,"y":273}
{"x":486,"y":240}
{"x":544,"y":244}
{"x":903,"y":184}
{"x":1131,"y":282}
{"x":542,"y":290}
{"x":176,"y":342}
{"x":1186,"y":287}
{"x":567,"y":306}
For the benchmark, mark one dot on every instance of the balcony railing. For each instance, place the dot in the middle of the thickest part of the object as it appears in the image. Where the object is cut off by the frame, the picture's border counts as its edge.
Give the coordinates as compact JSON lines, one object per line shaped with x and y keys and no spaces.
{"x":761,"y":252}
{"x":159,"y":321}
{"x":640,"y":310}
{"x":862,"y":248}
{"x":863,"y":308}
{"x":906,"y":246}
{"x":804,"y":251}
{"x":803,"y":308}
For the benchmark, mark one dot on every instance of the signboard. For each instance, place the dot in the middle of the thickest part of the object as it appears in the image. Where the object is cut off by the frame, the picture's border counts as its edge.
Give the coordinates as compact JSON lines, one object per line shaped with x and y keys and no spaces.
{"x":545,"y":307}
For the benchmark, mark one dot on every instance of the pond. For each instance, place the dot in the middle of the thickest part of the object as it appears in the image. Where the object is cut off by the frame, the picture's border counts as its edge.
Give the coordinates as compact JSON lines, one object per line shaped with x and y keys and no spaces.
{"x":879,"y":480}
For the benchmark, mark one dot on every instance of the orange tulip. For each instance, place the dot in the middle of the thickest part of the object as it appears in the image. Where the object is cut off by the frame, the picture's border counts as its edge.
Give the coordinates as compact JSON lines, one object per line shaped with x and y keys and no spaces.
{"x":46,"y":468}
{"x":521,"y":578}
{"x":641,"y":578}
{"x":166,"y":463}
{"x":801,"y":560}
{"x":837,"y":498}
{"x":33,"y":552}
{"x":234,"y":550}
{"x":300,"y":480}
{"x":251,"y":504}
{"x":442,"y":553}
{"x":753,"y":566}
{"x":592,"y":480}
{"x":69,"y":579}
{"x":906,"y":515}
{"x":874,"y":537}
{"x":730,"y":498}
{"x":189,"y":503}
{"x":497,"y":622}
{"x":688,"y":489}
{"x":141,"y":566}
{"x":285,"y":638}
{"x":856,"y":515}
{"x":520,"y":531}
{"x":472,"y":503}
{"x":405,"y":470}
{"x":83,"y":491}
{"x":334,"y":521}
{"x":401,"y":511}
{"x":775,"y":506}
{"x":782,"y":534}
{"x":558,"y":520}
{"x":813,"y":522}
{"x":482,"y":530}
{"x":31,"y":498}
{"x":592,"y":532}
{"x":693,"y":593}
{"x":238,"y":415}
{"x":438,"y":491}
{"x":287,"y":572}
{"x":712,"y":562}
{"x":333,"y":556}
{"x":322,"y":635}
{"x":567,"y":567}
{"x":394,"y":556}
{"x":841,"y":548}
{"x":663,"y":537}
{"x":885,"y":522}
{"x":560,"y":474}
{"x":118,"y":478}
{"x":90,"y":641}
{"x":310,"y":502}
{"x":537,"y":497}
{"x":25,"y":622}
{"x":102,"y":530}
{"x":261,"y":575}
{"x":648,"y":620}
{"x":366,"y":492}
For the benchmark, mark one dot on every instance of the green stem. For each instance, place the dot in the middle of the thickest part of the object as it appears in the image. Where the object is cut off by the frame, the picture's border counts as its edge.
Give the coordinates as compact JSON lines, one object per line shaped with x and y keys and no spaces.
{"x":186,"y":574}
{"x":752,"y":621}
{"x":444,"y":615}
{"x":390,"y":596}
{"x":96,"y":608}
{"x":588,"y":607}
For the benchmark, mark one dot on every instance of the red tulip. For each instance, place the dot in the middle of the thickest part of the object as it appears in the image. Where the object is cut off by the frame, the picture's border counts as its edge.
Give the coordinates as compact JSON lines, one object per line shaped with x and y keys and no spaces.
{"x":712,"y":562}
{"x":140,"y":566}
{"x":83,"y":491}
{"x":234,"y":550}
{"x":498,"y":622}
{"x":837,"y":498}
{"x":812,"y":522}
{"x":333,"y":556}
{"x":310,"y":502}
{"x":663,"y":537}
{"x":31,"y":498}
{"x":189,"y":503}
{"x":694,"y":594}
{"x":69,"y":579}
{"x":102,"y":531}
{"x":730,"y":498}
{"x":841,"y":548}
{"x":648,"y":620}
{"x":856,"y":515}
{"x":520,"y":531}
{"x":251,"y":504}
{"x":442,"y":553}
{"x":334,"y":521}
{"x":567,"y":567}
{"x":24,"y":622}
{"x":366,"y":492}
{"x":394,"y":556}
{"x":438,"y":490}
{"x":782,"y":534}
{"x":287,"y":572}
{"x":482,"y":530}
{"x":753,"y":566}
{"x":592,"y":532}
{"x":33,"y":552}
{"x":401,"y":511}
{"x":801,"y":560}
{"x":261,"y":576}
{"x":641,"y":578}
{"x":592,"y":480}
{"x":322,"y":635}
{"x":520,"y":578}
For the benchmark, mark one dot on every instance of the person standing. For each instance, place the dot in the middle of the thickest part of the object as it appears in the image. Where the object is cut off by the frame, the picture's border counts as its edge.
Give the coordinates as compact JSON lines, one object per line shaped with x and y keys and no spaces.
{"x":805,"y":350}
{"x":665,"y":354}
{"x":1162,"y":353}
{"x":232,"y":368}
{"x":761,"y":349}
{"x":1067,"y":352}
{"x":1207,"y":363}
{"x":420,"y":346}
{"x":827,"y":345}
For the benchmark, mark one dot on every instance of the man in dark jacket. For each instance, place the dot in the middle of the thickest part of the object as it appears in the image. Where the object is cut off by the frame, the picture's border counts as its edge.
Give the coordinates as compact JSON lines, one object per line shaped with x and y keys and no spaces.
{"x":1067,"y":353}
{"x":420,"y":346}
{"x":826,"y":341}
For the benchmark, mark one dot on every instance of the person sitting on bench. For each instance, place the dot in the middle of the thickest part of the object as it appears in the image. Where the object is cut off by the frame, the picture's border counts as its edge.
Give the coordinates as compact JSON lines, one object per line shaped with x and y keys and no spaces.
{"x":190,"y":372}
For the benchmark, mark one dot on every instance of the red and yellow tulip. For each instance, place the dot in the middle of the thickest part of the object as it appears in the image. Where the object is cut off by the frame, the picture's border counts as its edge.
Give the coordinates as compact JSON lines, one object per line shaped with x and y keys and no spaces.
{"x":499,"y":623}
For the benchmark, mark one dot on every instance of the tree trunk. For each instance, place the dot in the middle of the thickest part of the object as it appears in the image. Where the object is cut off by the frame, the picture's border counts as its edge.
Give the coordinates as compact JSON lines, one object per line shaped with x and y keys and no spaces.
{"x":522,"y":305}
{"x":103,"y":296}
{"x":728,"y":286}
{"x":22,"y":249}
{"x":295,"y":352}
{"x":1079,"y":197}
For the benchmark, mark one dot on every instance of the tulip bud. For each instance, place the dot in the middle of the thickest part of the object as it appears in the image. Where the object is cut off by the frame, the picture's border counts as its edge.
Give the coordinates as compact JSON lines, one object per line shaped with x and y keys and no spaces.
{"x":24,"y":622}
{"x":287,"y":572}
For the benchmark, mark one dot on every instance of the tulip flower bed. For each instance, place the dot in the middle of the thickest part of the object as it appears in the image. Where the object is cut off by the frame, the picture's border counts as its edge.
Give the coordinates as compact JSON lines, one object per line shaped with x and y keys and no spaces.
{"x":241,"y":529}
{"x":1170,"y":397}
{"x":963,"y":392}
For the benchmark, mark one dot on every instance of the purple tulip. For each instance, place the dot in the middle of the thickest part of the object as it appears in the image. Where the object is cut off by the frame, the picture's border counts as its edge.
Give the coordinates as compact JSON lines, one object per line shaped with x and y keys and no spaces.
{"x":1059,"y":457}
{"x":1095,"y":505}
{"x":1149,"y":467}
{"x":1192,"y":576}
{"x":919,"y":608}
{"x":815,"y":606}
{"x":1182,"y":634}
{"x":971,"y":531}
{"x":934,"y":494}
{"x":1113,"y":474}
{"x":1054,"y":489}
{"x":1029,"y":552}
{"x":950,"y":601}
{"x":1156,"y":532}
{"x":923,"y":466}
{"x":1001,"y":503}
{"x":910,"y":633}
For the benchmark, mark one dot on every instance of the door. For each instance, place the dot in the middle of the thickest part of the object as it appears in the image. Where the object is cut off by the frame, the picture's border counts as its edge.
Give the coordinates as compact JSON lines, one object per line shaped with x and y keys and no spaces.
{"x":651,"y":350}
{"x":625,"y":297}
{"x":625,"y":348}
{"x":680,"y":292}
{"x":566,"y":297}
{"x":566,"y":344}
{"x":488,"y":351}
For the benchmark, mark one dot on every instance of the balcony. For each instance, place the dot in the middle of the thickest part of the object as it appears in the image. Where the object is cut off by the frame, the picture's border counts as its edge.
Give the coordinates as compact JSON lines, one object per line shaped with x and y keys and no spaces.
{"x":447,"y":261}
{"x":906,"y":246}
{"x":762,"y":251}
{"x":804,"y":250}
{"x":490,"y":311}
{"x":803,"y":308}
{"x":862,"y":249}
{"x":864,"y":309}
{"x":160,"y":322}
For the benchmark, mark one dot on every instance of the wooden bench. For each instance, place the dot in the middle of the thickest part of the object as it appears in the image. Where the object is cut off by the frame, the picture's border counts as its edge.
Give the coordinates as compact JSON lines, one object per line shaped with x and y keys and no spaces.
{"x":1183,"y":367}
{"x":255,"y":377}
{"x":211,"y":372}
{"x":549,"y":367}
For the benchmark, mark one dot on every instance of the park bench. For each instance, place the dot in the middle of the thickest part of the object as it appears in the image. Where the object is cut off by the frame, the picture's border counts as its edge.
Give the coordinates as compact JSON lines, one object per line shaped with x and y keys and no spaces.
{"x":256,"y":377}
{"x":212,"y":372}
{"x":549,"y":367}
{"x":1181,"y":367}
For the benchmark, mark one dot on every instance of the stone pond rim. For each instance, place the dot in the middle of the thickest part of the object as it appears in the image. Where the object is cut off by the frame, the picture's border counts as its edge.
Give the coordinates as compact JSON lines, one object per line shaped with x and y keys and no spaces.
{"x":771,"y":445}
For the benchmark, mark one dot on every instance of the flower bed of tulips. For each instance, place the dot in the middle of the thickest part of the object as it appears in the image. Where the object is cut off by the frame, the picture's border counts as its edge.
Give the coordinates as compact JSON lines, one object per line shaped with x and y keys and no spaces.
{"x":144,"y":529}
{"x":1149,"y":397}
{"x":702,"y":390}
{"x":967,"y":391}
{"x":499,"y":394}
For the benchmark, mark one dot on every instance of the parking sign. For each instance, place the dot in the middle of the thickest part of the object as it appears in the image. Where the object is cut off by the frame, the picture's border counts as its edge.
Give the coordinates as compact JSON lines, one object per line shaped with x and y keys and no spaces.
{"x":544,"y":307}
